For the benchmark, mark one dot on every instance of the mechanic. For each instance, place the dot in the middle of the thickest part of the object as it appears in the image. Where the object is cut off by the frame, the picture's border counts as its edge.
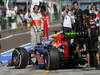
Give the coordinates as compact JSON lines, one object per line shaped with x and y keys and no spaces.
{"x":67,"y":25}
{"x":45,"y":22}
{"x":36,"y":28}
{"x":92,"y":39}
{"x":94,"y":10}
{"x":78,"y":26}
{"x":78,"y":13}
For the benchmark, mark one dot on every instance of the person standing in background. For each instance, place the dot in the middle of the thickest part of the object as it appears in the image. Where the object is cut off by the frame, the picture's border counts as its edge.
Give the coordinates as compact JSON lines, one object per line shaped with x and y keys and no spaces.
{"x":27,"y":18}
{"x":66,"y":19}
{"x":36,"y":25}
{"x":2,"y":16}
{"x":64,"y":10}
{"x":94,"y":10}
{"x":45,"y":17}
{"x":92,"y":40}
{"x":45,"y":25}
{"x":78,"y":14}
{"x":78,"y":26}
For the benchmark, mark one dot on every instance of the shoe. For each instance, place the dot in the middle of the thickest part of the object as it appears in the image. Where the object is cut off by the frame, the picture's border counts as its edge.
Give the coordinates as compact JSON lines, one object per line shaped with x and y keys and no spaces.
{"x":87,"y":67}
{"x":98,"y":67}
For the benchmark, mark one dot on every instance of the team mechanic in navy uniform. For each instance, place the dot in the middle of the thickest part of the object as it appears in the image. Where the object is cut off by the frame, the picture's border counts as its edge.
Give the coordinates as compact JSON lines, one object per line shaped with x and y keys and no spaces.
{"x":92,"y":40}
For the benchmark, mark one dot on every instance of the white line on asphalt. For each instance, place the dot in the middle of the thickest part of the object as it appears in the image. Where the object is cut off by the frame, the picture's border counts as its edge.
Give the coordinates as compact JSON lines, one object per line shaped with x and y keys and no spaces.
{"x":13,"y":49}
{"x":13,"y":35}
{"x":7,"y":51}
{"x":25,"y":45}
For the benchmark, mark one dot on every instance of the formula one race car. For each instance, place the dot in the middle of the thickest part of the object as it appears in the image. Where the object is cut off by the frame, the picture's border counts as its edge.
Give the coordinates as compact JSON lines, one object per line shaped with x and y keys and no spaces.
{"x":51,"y":54}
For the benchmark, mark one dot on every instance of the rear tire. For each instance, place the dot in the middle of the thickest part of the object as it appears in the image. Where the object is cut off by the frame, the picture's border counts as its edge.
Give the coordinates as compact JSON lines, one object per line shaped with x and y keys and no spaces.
{"x":20,"y":58}
{"x":52,"y":59}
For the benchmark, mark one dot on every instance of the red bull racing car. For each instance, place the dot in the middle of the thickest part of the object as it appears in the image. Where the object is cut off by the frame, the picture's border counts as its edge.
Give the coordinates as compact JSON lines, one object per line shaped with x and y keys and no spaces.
{"x":51,"y":54}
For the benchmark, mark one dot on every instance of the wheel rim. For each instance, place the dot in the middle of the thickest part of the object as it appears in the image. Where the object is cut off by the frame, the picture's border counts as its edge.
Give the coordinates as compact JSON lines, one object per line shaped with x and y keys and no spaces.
{"x":17,"y":59}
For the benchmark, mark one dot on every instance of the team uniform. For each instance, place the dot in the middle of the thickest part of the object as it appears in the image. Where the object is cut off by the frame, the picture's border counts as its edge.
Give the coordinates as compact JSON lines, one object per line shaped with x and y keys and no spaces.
{"x":36,"y":28}
{"x":67,"y":26}
{"x":45,"y":27}
{"x":93,"y":36}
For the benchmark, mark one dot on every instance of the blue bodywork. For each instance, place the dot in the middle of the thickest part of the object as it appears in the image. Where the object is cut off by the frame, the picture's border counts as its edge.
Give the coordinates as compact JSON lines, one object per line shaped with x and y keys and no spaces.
{"x":5,"y":56}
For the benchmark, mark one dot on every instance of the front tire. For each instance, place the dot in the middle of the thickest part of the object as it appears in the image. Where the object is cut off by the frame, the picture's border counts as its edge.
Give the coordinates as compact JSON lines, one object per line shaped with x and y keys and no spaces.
{"x":20,"y":58}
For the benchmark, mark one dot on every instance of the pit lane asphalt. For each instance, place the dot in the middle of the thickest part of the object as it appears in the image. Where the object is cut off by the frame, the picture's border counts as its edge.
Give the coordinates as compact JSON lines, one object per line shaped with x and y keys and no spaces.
{"x":31,"y":70}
